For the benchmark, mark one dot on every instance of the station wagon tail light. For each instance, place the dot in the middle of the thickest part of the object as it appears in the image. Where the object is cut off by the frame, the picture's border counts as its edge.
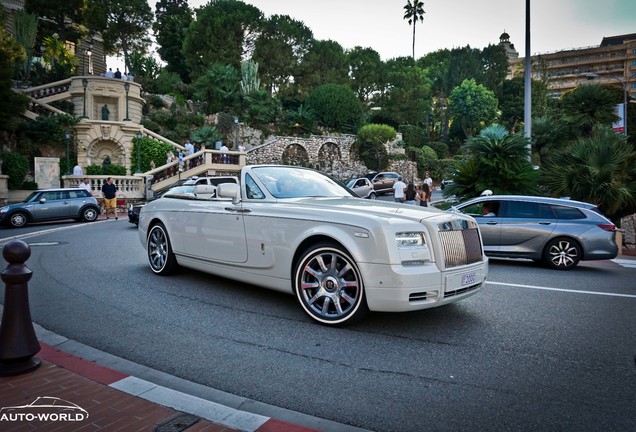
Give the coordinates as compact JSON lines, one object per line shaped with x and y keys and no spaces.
{"x":607,"y":227}
{"x":410,"y":239}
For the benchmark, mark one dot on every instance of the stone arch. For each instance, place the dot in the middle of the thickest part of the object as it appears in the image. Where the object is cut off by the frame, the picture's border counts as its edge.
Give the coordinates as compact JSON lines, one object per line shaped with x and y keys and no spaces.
{"x":295,"y":154}
{"x":97,"y":151}
{"x":329,"y":151}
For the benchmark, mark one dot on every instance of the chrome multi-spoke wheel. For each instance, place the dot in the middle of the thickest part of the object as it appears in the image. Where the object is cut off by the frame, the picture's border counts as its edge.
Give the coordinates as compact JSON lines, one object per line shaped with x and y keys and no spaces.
{"x":160,"y":256}
{"x":328,"y":285}
{"x":562,"y":254}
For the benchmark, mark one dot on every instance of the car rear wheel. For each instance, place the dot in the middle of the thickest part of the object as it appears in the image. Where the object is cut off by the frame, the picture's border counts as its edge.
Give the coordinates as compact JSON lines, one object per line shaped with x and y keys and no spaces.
{"x":18,"y":219}
{"x":89,"y":214}
{"x":372,"y":196}
{"x":562,"y":253}
{"x":328,"y":285}
{"x":160,"y":256}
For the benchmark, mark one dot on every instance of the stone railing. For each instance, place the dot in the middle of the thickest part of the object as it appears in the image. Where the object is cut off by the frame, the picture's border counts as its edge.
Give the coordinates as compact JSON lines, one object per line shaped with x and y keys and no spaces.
{"x":47,"y":90}
{"x":129,"y":187}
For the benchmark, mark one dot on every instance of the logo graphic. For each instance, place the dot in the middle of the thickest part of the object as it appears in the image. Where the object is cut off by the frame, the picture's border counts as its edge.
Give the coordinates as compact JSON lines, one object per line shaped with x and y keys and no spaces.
{"x":44,"y":408}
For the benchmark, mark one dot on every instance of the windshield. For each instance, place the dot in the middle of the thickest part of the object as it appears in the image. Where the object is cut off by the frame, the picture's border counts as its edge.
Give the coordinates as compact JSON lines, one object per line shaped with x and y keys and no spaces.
{"x":293,"y":182}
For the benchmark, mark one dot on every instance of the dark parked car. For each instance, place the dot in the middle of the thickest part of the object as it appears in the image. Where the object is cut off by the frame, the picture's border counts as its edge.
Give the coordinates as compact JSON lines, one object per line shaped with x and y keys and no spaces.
{"x":560,"y":232}
{"x":383,"y":181}
{"x":183,"y":186}
{"x":51,"y":204}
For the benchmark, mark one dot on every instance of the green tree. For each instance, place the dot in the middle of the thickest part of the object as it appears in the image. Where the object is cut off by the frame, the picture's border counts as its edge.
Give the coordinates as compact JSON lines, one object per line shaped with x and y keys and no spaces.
{"x":365,"y":66}
{"x":26,"y":26}
{"x":370,"y":145}
{"x":406,"y":96}
{"x":280,"y":49}
{"x":325,"y":63}
{"x":599,"y":169}
{"x":224,"y":32}
{"x":64,"y":18}
{"x":124,"y":25}
{"x":588,"y":105}
{"x":172,"y":19}
{"x":218,"y":89}
{"x":473,"y":106}
{"x":336,"y":107}
{"x":494,"y":68}
{"x":13,"y":104}
{"x":497,"y":161}
{"x":414,"y":12}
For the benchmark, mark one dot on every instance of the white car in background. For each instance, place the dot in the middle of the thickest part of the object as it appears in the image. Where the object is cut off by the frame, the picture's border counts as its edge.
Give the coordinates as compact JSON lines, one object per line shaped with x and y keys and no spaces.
{"x":298,"y":231}
{"x":362,"y":187}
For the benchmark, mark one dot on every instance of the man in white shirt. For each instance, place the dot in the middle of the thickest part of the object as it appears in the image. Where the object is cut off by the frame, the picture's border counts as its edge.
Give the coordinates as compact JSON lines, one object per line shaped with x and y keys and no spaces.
{"x":77,"y":170}
{"x":398,"y":190}
{"x":86,"y":184}
{"x":189,"y":148}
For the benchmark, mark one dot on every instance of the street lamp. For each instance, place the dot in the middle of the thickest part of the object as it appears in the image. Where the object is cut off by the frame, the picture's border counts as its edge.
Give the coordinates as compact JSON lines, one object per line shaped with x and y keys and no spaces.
{"x":85,"y":85}
{"x":139,"y":135}
{"x":126,"y":88}
{"x":236,"y":124}
{"x":89,"y":53}
{"x":623,"y":84}
{"x":68,"y":134}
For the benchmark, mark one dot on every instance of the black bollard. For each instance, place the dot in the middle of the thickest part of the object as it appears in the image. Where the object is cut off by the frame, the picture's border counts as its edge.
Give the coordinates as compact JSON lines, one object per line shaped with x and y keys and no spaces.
{"x":18,"y":343}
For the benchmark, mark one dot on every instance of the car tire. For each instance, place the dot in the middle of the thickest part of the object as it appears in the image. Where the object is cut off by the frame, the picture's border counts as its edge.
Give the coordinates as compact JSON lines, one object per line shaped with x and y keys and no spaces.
{"x":18,"y":219}
{"x":562,"y":253}
{"x":372,"y":196}
{"x":329,"y":286}
{"x":160,"y":256}
{"x":89,"y":214}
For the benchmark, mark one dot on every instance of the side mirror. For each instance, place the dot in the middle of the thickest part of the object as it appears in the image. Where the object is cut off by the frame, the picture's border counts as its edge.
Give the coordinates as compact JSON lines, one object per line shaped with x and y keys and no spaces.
{"x":229,"y":190}
{"x":42,"y":200}
{"x":205,"y":191}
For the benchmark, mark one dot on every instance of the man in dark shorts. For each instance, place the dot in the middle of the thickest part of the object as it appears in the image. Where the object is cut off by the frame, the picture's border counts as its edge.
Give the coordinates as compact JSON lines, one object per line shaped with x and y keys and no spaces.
{"x":109,"y":190}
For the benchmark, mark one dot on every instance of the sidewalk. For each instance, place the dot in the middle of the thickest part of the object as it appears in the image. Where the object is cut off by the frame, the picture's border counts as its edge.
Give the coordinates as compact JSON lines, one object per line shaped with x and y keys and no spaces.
{"x":130,"y":397}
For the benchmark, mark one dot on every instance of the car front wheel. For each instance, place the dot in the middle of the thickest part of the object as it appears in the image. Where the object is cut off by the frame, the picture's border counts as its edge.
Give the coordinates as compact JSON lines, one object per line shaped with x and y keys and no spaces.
{"x":562,"y":254}
{"x":160,"y":256}
{"x":18,"y":219}
{"x":372,"y":196}
{"x":328,"y":285}
{"x":89,"y":214}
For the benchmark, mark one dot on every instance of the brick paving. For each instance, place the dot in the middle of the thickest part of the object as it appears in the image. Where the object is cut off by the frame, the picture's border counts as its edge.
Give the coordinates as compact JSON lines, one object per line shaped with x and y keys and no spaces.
{"x":108,"y":409}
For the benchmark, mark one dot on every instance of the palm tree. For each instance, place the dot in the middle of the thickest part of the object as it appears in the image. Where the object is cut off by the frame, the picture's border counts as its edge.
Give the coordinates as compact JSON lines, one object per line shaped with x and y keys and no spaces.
{"x":497,"y":161}
{"x":414,"y":11}
{"x":600,"y":169}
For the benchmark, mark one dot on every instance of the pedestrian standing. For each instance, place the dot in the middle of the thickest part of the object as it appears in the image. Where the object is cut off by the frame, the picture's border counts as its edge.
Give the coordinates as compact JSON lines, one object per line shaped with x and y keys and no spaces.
{"x":410,"y":194}
{"x":77,"y":170}
{"x":86,"y":184}
{"x":398,"y":190}
{"x":109,"y":191}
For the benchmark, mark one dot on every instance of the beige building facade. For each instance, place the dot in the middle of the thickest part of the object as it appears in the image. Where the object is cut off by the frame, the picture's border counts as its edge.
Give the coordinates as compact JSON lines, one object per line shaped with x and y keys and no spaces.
{"x":612,"y":62}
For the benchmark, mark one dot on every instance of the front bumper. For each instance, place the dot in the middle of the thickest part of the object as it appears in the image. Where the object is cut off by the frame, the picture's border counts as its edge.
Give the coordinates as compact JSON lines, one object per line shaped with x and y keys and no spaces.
{"x":398,"y":288}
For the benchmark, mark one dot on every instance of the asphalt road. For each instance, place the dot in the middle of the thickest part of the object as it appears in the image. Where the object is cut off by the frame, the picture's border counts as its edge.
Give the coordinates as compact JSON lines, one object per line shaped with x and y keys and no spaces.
{"x":535,"y":350}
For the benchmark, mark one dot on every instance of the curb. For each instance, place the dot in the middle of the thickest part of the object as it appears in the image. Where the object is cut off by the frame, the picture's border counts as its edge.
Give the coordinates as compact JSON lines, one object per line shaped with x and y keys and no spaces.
{"x":170,"y":391}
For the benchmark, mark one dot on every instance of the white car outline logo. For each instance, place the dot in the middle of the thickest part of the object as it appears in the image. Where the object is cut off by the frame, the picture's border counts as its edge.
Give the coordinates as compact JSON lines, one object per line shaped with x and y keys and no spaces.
{"x":47,"y":402}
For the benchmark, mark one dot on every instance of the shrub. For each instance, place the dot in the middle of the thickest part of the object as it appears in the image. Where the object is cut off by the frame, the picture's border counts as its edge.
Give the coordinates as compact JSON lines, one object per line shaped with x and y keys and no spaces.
{"x":16,"y":167}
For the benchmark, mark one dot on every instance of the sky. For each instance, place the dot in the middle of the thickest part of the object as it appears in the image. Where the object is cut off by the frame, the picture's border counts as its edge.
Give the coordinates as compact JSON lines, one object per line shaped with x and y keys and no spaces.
{"x":555,"y":25}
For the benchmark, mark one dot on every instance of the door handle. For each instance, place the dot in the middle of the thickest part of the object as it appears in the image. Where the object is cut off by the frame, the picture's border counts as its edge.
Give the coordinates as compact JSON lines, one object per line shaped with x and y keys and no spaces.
{"x":238,"y":209}
{"x":491,"y":223}
{"x":545,"y":223}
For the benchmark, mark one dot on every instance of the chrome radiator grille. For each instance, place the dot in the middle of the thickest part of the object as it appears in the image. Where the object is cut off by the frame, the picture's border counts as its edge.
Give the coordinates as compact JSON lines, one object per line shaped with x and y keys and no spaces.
{"x":460,"y":242}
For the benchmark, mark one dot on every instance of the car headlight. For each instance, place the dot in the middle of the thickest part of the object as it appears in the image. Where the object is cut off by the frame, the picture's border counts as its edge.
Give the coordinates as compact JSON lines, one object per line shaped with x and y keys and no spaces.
{"x":3,"y":209}
{"x":412,"y":248}
{"x":410,"y":239}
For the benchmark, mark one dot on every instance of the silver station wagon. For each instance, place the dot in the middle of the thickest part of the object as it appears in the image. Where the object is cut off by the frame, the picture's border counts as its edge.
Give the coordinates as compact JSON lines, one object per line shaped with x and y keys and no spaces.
{"x":559,"y":232}
{"x":298,"y":231}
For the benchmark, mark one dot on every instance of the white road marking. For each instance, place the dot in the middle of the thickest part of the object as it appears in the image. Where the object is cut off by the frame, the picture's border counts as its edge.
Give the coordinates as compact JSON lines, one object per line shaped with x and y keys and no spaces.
{"x":628,"y":263}
{"x":562,"y":290}
{"x":4,"y":241}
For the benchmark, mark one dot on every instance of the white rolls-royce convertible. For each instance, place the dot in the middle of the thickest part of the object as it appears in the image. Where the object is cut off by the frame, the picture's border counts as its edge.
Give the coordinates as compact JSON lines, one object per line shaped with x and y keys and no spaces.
{"x":298,"y":231}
